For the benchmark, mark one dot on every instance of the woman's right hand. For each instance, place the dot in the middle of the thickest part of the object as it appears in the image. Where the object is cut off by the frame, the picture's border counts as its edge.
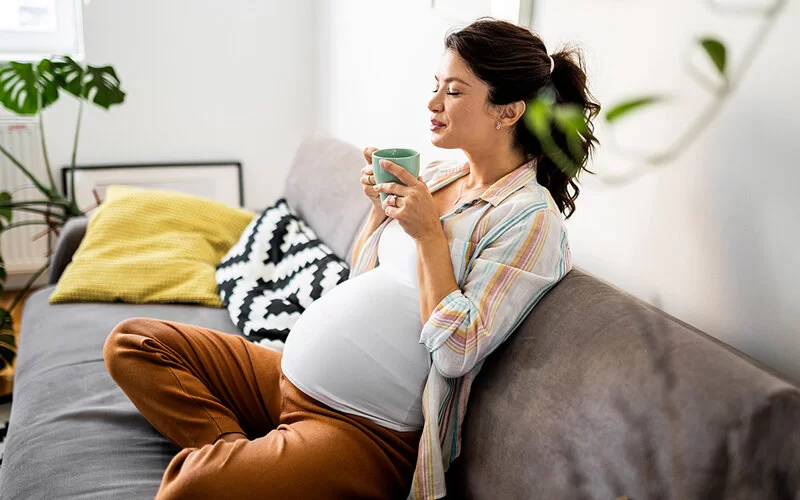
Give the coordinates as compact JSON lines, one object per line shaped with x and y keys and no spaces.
{"x":368,"y":180}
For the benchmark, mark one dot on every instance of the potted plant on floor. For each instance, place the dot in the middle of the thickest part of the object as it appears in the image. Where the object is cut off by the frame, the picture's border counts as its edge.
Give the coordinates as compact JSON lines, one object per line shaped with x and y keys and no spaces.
{"x":27,"y":89}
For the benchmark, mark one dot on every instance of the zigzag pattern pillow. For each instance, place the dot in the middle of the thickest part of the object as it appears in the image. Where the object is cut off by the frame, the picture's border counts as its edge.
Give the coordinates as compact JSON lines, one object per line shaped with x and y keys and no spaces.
{"x":274,"y":272}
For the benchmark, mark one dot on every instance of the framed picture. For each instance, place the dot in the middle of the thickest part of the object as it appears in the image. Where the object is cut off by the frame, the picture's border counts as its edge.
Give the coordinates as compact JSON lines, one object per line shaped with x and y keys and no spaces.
{"x":465,"y":11}
{"x":219,"y":181}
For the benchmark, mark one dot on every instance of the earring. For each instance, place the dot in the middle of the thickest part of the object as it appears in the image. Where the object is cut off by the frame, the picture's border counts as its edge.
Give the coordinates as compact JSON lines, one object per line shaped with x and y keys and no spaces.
{"x":498,"y":124}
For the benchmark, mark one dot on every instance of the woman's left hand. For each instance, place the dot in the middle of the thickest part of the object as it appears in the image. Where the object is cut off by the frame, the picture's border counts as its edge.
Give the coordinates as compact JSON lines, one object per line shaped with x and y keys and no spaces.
{"x":412,"y":205}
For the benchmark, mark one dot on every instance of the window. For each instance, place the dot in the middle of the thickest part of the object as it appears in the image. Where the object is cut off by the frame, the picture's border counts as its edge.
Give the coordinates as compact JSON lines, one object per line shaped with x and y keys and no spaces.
{"x":33,"y":29}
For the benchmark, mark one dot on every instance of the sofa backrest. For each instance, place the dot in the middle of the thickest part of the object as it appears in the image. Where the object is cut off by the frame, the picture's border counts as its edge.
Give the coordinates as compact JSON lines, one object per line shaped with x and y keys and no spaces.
{"x":323,"y":188}
{"x":599,"y":395}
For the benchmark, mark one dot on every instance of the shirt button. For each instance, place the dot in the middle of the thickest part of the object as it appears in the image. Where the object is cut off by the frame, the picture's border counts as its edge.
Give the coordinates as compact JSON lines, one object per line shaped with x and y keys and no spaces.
{"x":459,"y":210}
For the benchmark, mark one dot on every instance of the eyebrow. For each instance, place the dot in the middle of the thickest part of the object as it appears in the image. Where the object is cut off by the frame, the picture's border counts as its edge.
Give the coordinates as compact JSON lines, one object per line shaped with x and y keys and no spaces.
{"x":452,"y":79}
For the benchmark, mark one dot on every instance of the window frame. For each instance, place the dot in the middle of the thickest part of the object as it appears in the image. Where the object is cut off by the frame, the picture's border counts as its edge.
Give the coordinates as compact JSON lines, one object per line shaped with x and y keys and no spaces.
{"x":32,"y":46}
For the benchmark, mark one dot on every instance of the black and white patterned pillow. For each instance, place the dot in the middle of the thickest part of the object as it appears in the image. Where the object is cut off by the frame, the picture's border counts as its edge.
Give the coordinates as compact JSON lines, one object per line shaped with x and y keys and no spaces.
{"x":274,"y":272}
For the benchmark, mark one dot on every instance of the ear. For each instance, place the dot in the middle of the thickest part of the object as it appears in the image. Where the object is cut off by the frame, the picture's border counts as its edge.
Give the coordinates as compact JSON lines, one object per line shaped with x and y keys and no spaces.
{"x":513,"y":112}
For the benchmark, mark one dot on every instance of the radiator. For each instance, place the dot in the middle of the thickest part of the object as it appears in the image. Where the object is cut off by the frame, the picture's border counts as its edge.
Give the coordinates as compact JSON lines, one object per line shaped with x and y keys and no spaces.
{"x":20,"y":136}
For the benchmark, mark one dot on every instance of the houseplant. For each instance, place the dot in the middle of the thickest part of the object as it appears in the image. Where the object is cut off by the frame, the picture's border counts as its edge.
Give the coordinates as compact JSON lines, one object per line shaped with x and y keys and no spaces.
{"x":27,"y":89}
{"x":543,"y":115}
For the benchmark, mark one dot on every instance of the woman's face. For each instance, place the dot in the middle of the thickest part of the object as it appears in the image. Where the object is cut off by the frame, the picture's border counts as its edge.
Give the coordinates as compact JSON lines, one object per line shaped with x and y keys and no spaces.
{"x":459,"y":104}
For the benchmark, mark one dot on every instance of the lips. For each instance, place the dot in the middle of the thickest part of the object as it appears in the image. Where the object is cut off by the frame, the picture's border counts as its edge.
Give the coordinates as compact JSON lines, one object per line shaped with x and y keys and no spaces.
{"x":435,"y":125}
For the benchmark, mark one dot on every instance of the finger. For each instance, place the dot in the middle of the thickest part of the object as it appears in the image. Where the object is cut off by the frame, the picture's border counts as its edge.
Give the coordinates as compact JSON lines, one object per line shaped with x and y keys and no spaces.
{"x":392,"y":188}
{"x":396,"y":170}
{"x":368,"y":154}
{"x":390,"y":211}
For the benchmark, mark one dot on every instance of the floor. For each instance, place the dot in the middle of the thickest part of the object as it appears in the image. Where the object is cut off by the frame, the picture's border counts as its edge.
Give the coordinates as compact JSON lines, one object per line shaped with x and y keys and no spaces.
{"x":7,"y":375}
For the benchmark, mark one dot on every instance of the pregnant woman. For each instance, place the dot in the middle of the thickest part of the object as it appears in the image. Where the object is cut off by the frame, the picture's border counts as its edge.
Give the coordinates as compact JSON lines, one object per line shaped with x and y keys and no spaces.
{"x":369,"y":394}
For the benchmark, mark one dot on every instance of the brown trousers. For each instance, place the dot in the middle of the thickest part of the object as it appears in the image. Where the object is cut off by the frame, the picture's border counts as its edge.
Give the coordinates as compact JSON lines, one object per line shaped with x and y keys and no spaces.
{"x":194,"y":384}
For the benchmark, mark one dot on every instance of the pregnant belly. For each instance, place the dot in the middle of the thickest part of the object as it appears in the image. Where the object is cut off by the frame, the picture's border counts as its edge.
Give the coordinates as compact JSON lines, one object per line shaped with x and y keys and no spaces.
{"x":357,"y":349}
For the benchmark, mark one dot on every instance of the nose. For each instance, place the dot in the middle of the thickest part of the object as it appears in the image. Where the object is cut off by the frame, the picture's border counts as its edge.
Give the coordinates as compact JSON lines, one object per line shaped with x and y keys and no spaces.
{"x":435,"y":104}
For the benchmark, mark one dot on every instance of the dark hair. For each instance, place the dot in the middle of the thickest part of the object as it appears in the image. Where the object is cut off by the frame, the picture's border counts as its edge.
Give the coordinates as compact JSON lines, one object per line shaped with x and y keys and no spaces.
{"x":514,"y":63}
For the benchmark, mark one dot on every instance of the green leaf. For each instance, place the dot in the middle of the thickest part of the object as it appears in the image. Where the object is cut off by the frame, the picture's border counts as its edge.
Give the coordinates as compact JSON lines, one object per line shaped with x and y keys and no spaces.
{"x":99,"y":85}
{"x":8,"y":345}
{"x":569,"y":118}
{"x":5,"y":212}
{"x":571,"y":121}
{"x":105,"y":84}
{"x":628,"y":106}
{"x":23,"y":84}
{"x":537,"y":116}
{"x":69,"y":75}
{"x":716,"y":51}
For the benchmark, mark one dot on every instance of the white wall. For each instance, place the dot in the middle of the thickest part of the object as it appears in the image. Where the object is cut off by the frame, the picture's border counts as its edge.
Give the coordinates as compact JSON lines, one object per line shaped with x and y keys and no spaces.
{"x":377,"y":61}
{"x":206,"y":80}
{"x":712,"y":238}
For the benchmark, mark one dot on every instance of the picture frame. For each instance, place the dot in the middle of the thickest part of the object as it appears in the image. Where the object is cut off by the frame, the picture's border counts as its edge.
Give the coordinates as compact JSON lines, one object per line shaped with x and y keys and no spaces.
{"x":465,"y":11}
{"x":217,"y":180}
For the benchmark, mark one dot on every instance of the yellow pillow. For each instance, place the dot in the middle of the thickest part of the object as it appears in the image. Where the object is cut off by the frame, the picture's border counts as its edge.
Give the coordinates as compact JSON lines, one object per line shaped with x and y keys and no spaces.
{"x":144,"y":245}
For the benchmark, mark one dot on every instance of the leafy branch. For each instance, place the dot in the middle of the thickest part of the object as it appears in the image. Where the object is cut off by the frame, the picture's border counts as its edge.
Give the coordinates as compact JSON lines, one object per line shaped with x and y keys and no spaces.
{"x":28,"y":89}
{"x":721,"y":90}
{"x":543,"y":111}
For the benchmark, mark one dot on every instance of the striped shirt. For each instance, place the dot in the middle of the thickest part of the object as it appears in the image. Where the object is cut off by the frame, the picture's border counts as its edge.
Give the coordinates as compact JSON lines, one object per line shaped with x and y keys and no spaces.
{"x":508,"y":247}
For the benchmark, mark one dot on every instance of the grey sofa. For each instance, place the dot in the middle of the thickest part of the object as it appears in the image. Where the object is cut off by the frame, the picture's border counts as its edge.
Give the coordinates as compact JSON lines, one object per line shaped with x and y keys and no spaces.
{"x":596,"y":396}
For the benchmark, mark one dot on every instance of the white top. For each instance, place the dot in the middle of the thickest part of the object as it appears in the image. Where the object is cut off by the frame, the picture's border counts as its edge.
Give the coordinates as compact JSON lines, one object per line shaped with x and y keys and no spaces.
{"x":357,"y":349}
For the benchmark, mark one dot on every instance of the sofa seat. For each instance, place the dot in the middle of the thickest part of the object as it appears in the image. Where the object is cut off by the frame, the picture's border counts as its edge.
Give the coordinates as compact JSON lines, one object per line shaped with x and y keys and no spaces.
{"x":78,"y":435}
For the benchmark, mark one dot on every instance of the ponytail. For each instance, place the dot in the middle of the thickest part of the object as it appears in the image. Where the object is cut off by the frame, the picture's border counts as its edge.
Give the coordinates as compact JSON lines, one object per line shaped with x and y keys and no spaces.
{"x":568,"y":85}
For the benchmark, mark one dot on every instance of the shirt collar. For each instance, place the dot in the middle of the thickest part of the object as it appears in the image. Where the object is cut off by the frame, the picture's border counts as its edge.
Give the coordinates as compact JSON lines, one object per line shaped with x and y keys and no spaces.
{"x":498,"y":191}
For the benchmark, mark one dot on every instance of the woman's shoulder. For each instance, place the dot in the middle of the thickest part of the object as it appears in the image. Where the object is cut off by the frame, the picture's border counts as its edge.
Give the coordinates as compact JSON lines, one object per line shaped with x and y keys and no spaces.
{"x":526,"y":208}
{"x":530,"y":195}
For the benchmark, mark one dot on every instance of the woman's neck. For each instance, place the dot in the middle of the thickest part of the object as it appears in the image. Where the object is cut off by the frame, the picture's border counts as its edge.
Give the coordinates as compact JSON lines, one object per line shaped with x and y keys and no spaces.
{"x":487,"y":167}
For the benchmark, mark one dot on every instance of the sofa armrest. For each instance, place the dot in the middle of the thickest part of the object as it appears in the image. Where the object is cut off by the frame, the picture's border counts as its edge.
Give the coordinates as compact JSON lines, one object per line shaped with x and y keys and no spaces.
{"x":71,"y":235}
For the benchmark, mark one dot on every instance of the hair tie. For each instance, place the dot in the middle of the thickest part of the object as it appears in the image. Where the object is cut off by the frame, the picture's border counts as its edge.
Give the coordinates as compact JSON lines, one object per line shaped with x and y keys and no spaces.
{"x":552,"y":63}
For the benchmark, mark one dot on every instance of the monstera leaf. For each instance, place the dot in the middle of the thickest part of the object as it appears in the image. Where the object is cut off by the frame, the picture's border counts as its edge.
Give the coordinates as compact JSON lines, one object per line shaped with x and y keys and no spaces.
{"x":99,"y":85}
{"x":26,"y":89}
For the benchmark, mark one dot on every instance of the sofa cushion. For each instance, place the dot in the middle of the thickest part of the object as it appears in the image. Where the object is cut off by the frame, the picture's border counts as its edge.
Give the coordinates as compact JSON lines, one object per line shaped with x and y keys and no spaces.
{"x":274,"y":272}
{"x":73,"y":433}
{"x":177,"y":238}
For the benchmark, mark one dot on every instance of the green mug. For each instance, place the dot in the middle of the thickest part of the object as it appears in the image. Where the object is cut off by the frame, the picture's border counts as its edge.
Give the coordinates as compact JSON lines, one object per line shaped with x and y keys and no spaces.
{"x":406,"y":158}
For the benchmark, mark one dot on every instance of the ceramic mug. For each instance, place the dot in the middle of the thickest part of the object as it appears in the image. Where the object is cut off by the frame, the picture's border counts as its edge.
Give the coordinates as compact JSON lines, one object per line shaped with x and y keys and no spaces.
{"x":406,"y":158}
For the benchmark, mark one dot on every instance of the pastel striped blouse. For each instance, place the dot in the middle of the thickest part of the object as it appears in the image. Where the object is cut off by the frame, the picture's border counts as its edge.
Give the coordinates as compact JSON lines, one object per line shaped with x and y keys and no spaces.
{"x":508,"y":247}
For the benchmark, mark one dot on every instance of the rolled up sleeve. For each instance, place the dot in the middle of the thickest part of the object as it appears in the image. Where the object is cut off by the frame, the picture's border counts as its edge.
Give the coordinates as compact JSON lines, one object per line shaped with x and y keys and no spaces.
{"x":367,"y":258}
{"x":508,"y":278}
